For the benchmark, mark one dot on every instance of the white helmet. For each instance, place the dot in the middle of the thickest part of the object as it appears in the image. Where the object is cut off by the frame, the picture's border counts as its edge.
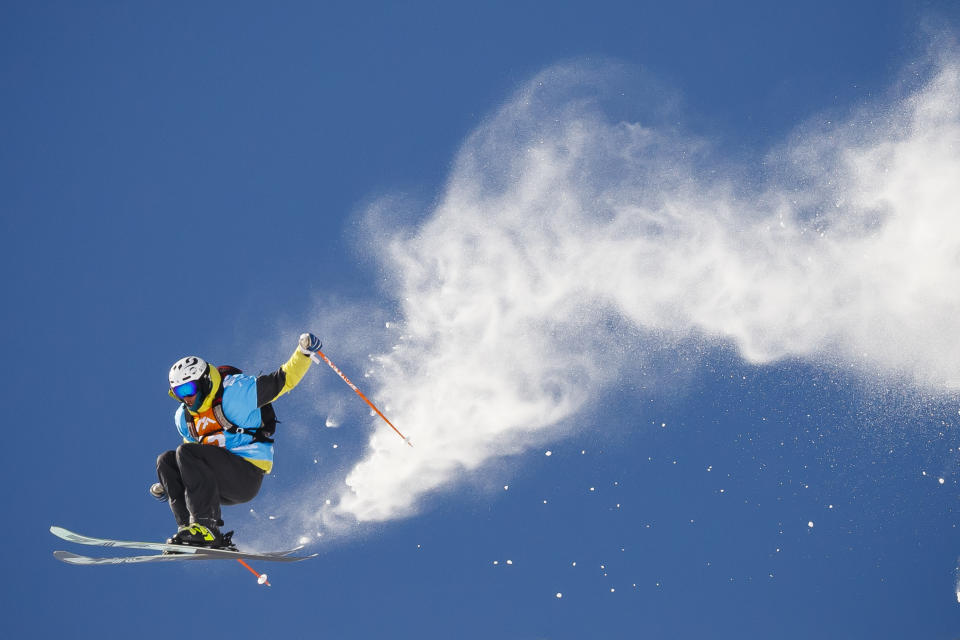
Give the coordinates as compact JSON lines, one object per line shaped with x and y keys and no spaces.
{"x":190,"y":377}
{"x":187,"y":369}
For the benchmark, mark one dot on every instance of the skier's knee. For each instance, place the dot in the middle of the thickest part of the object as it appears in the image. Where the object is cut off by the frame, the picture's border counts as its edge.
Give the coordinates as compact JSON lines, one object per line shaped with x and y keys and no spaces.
{"x":187,"y":450}
{"x":167,"y":459}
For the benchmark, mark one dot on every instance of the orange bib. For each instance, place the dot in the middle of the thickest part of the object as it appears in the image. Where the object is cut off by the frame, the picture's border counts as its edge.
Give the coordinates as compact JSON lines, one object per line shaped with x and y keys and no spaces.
{"x":205,"y":425}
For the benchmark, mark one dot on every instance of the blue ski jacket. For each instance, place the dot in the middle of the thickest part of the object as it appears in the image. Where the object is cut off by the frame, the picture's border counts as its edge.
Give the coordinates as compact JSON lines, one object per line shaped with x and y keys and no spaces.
{"x":242,"y":397}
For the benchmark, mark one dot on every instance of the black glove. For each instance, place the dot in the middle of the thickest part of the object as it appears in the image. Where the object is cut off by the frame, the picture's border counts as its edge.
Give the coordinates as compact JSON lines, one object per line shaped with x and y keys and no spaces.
{"x":309,"y":344}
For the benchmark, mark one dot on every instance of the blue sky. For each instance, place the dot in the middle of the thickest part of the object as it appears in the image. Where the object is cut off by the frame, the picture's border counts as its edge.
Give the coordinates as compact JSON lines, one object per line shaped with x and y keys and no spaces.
{"x":665,"y":298}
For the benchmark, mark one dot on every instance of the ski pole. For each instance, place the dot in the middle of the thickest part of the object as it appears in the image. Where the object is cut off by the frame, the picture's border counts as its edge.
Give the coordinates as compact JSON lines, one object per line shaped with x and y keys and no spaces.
{"x":261,"y":577}
{"x":359,"y":393}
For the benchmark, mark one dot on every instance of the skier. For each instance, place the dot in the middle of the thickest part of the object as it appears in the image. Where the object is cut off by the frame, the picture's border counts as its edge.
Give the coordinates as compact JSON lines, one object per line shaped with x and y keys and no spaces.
{"x":226,"y":420}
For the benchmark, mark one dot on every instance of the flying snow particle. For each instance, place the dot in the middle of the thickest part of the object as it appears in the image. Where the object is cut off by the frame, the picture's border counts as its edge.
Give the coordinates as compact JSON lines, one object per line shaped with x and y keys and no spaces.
{"x":941,"y":480}
{"x":548,"y":453}
{"x":332,"y":423}
{"x":262,"y":578}
{"x":810,"y":524}
{"x":509,"y":561}
{"x":559,"y":595}
{"x":336,"y":446}
{"x":506,"y":487}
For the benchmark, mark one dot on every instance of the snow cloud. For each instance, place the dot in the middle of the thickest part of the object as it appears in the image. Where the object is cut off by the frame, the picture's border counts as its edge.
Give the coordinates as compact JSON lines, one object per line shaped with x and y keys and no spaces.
{"x":570,"y":246}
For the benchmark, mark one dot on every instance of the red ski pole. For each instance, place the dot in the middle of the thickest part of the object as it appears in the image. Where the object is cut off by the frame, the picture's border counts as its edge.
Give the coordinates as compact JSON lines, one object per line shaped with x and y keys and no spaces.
{"x":359,"y":393}
{"x":261,"y":577}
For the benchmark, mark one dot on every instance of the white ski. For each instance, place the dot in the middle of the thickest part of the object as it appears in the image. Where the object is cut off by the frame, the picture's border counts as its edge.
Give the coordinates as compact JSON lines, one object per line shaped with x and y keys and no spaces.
{"x":73,"y":558}
{"x":173,"y":551}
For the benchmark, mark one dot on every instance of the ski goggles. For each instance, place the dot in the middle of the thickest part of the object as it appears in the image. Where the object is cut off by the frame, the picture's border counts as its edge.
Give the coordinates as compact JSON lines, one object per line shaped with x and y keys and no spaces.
{"x":186,"y":389}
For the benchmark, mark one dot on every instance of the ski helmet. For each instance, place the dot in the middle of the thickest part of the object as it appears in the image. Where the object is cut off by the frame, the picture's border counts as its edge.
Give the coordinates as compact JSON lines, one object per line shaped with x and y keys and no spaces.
{"x":190,"y":376}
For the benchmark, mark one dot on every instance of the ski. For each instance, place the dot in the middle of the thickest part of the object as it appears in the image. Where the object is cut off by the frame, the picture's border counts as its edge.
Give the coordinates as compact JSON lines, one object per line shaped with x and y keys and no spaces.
{"x":74,"y":558}
{"x":77,"y":559}
{"x":174,"y":551}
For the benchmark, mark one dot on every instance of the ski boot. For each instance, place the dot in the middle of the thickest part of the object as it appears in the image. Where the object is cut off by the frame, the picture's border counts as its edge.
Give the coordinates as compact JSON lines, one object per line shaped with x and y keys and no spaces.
{"x":203,"y":535}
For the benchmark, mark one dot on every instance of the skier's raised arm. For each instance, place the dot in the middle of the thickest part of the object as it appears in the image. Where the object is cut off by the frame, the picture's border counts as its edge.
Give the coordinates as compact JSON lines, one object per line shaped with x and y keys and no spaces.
{"x":273,"y":385}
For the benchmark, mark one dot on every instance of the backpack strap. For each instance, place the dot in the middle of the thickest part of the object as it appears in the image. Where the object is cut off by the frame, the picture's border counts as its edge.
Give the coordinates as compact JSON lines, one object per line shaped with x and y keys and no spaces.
{"x":268,"y":417}
{"x":259,"y":434}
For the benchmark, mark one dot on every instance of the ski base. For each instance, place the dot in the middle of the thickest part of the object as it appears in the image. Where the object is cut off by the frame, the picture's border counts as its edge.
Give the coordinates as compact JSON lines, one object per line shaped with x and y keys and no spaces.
{"x":73,"y":558}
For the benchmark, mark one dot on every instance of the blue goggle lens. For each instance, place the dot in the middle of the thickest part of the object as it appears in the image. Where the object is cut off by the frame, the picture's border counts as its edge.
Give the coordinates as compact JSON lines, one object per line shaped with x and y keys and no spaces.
{"x":186,"y":389}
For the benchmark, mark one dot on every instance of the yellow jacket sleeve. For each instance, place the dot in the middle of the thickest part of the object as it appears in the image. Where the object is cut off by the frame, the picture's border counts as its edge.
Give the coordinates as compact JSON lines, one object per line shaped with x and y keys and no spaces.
{"x":273,"y":385}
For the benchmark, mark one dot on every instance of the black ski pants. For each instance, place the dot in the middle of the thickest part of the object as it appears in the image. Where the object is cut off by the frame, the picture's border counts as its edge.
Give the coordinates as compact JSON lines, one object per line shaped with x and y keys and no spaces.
{"x":200,"y":477}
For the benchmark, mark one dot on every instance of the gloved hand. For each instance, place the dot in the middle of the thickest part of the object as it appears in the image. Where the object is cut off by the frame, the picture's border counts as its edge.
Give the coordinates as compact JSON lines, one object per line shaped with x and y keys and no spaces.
{"x":309,"y":344}
{"x":158,"y":492}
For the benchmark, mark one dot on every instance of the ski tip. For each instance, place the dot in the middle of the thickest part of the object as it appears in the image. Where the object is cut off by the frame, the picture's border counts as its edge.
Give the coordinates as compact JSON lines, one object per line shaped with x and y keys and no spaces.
{"x":60,"y":532}
{"x":68,"y":557}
